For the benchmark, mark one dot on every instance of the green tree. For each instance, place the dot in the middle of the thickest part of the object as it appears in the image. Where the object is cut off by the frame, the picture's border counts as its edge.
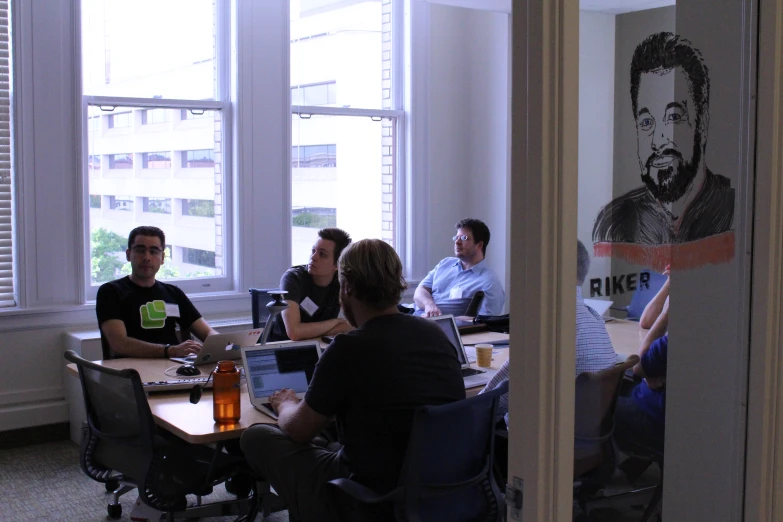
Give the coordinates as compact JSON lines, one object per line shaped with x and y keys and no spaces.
{"x":200,"y":207}
{"x":105,"y":264}
{"x":310,"y":220}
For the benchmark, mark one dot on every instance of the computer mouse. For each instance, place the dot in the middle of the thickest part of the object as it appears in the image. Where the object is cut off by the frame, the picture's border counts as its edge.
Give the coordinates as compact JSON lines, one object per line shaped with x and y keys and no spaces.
{"x":188,"y":369}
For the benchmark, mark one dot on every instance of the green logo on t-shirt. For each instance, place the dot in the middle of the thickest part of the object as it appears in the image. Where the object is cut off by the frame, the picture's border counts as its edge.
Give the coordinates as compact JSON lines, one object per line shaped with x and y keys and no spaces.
{"x":153,"y":314}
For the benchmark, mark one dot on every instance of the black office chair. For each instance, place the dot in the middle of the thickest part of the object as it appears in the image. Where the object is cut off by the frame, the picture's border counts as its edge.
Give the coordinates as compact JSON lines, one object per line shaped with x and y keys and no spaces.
{"x":471,"y":310}
{"x":595,"y":454}
{"x":122,"y":443}
{"x":105,"y":348}
{"x":444,"y":476}
{"x":475,"y":303}
{"x":259,"y":297}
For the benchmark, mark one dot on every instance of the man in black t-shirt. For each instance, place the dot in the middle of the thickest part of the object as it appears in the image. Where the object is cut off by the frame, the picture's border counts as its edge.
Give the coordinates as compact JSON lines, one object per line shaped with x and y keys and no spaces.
{"x":313,"y":292}
{"x":370,"y":380}
{"x":137,"y":315}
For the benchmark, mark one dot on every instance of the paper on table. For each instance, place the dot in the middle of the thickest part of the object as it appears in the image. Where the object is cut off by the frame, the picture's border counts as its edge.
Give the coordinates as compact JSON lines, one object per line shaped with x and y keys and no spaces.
{"x":599,"y":305}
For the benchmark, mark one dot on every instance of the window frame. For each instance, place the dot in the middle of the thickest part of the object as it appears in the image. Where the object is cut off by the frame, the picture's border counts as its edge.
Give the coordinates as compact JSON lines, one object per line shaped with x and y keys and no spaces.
{"x":399,"y":114}
{"x":193,"y":286}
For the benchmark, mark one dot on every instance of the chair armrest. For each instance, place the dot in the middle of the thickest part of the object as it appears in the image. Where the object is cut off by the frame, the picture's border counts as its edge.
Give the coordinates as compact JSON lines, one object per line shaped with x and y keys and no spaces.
{"x":362,"y":493}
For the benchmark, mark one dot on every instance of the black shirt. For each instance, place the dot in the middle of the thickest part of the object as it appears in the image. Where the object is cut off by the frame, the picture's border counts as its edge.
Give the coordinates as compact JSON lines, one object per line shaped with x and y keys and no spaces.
{"x":150,"y":314}
{"x":300,"y":286}
{"x":372,"y":379}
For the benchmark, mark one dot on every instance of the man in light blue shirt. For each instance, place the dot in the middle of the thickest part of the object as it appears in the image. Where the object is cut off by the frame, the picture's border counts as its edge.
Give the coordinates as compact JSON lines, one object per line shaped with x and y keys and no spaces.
{"x":450,"y":286}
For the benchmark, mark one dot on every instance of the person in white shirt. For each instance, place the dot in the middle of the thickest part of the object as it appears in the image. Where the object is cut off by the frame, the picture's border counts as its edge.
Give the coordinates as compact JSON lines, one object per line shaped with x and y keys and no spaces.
{"x":594,"y":351}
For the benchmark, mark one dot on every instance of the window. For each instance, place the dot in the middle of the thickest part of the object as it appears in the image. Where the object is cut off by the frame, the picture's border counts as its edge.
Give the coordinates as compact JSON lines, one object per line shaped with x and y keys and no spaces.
{"x":121,"y":161}
{"x":95,"y":201}
{"x":351,"y":44}
{"x":176,"y":71}
{"x":120,"y":203}
{"x":94,"y":161}
{"x":193,"y":256}
{"x":314,"y":156}
{"x":151,"y":116}
{"x":198,"y":207}
{"x":315,"y":94}
{"x":195,"y":159}
{"x":94,"y":125}
{"x":119,"y":120}
{"x":157,"y":205}
{"x":156,"y":160}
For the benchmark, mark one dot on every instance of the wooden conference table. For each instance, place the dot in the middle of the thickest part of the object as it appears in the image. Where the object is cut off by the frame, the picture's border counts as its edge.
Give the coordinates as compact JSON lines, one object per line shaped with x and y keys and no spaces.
{"x":193,"y":422}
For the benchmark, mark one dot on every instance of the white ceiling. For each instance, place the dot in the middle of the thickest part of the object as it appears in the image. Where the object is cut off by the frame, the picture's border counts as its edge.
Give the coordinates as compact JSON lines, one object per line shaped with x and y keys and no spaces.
{"x":622,"y":6}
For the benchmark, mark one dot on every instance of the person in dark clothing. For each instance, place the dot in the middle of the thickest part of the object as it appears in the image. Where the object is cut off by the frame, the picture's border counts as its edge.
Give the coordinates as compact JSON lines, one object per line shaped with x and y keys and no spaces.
{"x":640,"y":418}
{"x":138,"y":315}
{"x":370,"y":380}
{"x":313,"y":292}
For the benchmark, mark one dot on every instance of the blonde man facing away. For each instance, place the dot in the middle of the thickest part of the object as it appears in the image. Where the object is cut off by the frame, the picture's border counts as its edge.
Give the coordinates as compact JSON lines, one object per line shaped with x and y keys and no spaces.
{"x":370,"y":379}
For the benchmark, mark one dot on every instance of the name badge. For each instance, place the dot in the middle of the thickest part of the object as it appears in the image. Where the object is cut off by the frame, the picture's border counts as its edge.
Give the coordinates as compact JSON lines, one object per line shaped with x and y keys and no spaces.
{"x":455,"y":293}
{"x":309,"y":306}
{"x":172,"y":310}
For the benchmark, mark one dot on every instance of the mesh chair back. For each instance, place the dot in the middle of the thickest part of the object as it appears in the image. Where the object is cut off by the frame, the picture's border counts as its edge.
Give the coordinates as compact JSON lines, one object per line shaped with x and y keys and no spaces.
{"x":595,"y":398}
{"x":117,"y":408}
{"x":259,"y":297}
{"x":448,"y":473}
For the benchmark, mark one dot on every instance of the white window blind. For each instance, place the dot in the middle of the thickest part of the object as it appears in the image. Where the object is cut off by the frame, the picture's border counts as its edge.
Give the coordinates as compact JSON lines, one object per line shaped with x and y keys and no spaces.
{"x":6,"y":187}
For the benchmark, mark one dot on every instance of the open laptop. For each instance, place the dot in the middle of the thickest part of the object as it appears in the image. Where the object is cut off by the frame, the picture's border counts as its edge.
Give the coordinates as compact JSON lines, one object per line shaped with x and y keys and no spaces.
{"x":273,"y":366}
{"x":222,"y":347}
{"x":472,"y":376}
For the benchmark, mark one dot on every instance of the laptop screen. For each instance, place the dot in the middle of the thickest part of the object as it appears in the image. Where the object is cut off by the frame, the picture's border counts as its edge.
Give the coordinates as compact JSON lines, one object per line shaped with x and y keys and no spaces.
{"x":270,"y":369}
{"x":446,"y":323}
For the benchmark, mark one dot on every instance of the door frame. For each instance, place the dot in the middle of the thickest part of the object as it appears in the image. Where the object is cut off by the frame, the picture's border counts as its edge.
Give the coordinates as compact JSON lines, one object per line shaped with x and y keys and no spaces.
{"x":764,"y":460}
{"x":543,"y":219}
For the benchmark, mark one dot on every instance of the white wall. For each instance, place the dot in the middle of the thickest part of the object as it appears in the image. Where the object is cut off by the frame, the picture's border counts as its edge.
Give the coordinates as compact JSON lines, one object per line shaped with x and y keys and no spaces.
{"x":596,"y":127}
{"x":449,"y":126}
{"x":468,"y":125}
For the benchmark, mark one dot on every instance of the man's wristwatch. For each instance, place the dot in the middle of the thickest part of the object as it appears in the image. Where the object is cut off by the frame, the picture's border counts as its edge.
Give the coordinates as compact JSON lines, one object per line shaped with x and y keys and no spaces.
{"x":166,"y":351}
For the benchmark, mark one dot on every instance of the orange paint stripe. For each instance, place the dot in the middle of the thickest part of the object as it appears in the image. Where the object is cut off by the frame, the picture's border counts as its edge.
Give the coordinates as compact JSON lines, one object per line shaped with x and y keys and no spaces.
{"x":713,"y":250}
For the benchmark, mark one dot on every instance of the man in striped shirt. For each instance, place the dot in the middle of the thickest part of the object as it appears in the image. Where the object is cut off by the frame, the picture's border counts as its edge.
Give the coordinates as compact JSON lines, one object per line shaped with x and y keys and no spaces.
{"x":594,"y":350}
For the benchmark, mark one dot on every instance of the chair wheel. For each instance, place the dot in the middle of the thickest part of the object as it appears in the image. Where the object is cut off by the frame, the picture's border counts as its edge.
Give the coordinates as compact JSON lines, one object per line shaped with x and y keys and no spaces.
{"x":112,"y":485}
{"x":114,"y":510}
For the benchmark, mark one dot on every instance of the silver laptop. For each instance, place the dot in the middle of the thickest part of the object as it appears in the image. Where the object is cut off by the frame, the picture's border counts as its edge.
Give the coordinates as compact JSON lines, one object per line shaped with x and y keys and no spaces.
{"x":222,"y":347}
{"x":273,"y":366}
{"x":472,"y":376}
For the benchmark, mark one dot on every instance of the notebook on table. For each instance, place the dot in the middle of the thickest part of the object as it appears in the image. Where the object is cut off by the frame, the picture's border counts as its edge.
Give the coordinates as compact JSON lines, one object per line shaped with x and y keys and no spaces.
{"x":222,"y":347}
{"x":472,"y":376}
{"x":273,"y":366}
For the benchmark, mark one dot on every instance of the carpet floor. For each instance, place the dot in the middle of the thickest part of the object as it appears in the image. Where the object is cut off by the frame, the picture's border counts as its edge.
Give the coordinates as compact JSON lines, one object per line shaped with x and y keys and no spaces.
{"x":44,"y":482}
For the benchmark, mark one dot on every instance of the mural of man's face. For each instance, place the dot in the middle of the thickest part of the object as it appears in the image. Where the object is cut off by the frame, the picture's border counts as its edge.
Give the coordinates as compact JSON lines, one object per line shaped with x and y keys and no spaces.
{"x":669,"y":144}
